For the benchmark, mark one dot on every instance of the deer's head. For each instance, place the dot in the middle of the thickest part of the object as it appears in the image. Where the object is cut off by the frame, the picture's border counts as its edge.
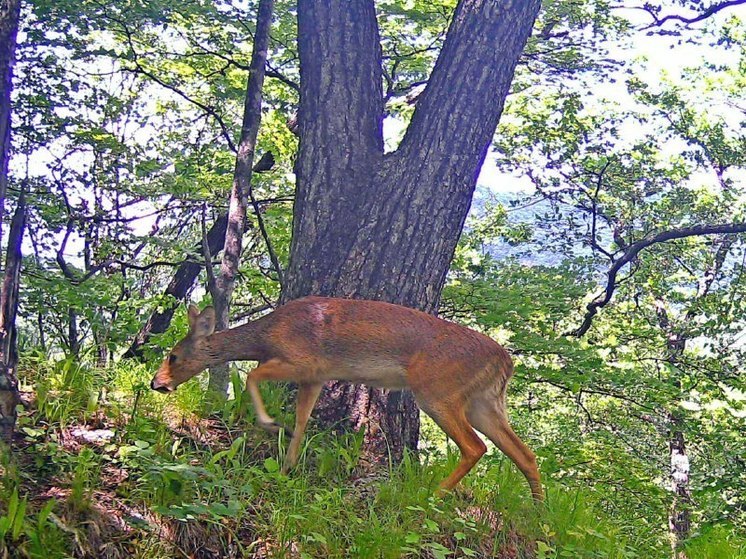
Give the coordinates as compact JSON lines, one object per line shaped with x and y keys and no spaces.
{"x":188,"y":357}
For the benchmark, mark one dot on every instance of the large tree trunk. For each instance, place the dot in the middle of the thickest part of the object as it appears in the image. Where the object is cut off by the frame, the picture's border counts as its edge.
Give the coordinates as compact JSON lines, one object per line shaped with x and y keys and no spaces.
{"x":223,"y":289}
{"x":9,"y":398}
{"x":375,"y":226}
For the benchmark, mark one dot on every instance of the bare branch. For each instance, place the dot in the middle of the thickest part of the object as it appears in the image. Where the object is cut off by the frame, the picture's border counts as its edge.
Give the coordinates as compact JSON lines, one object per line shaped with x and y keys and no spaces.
{"x":708,"y":12}
{"x":658,"y":21}
{"x":594,"y":212}
{"x":60,"y":258}
{"x":276,"y":74}
{"x":250,"y":310}
{"x":631,"y":253}
{"x":146,"y":267}
{"x":265,"y":236}
{"x":140,"y":69}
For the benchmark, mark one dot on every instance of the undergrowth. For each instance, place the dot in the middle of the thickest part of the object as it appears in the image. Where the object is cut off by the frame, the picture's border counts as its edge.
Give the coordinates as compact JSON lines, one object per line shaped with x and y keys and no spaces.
{"x":104,"y":467}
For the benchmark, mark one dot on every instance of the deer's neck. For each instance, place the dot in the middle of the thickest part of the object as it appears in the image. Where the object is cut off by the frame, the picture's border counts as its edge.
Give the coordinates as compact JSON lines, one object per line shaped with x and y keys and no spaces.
{"x":242,"y":343}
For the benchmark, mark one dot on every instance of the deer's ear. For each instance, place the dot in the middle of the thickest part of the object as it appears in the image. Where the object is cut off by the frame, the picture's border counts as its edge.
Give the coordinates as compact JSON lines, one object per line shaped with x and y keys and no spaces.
{"x":204,"y":323}
{"x":192,"y":315}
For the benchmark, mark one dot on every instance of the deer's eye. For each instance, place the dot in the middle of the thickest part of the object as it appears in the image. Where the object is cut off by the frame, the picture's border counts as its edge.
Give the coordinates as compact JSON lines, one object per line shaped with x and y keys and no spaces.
{"x":171,"y":359}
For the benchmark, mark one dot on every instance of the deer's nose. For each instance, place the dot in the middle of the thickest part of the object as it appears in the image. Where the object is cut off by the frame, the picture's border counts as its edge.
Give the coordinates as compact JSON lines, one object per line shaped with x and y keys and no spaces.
{"x":159,"y":387}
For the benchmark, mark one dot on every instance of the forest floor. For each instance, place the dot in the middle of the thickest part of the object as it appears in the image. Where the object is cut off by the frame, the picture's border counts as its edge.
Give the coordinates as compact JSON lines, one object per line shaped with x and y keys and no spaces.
{"x":97,"y":516}
{"x":102,"y":467}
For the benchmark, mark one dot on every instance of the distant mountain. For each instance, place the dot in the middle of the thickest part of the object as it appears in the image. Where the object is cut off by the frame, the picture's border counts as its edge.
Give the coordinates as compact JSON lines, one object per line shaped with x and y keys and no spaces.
{"x":549,"y":243}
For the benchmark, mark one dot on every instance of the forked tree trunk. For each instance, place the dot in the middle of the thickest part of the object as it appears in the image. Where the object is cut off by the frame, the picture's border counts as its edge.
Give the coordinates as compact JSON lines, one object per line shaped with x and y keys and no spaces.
{"x":222,"y":292}
{"x":374,"y":226}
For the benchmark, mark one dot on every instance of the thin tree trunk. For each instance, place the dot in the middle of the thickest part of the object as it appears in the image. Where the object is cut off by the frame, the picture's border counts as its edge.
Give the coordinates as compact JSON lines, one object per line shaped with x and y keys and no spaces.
{"x":225,"y":282}
{"x":102,"y":350}
{"x":9,"y":16}
{"x":9,"y":397}
{"x":42,"y":337}
{"x":185,"y":277}
{"x":679,"y":520}
{"x":72,"y":332}
{"x":375,"y":226}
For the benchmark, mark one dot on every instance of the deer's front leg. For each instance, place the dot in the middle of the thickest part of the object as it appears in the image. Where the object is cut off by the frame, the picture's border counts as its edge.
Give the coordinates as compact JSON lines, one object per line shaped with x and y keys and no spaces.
{"x":272,"y":370}
{"x":307,"y":396}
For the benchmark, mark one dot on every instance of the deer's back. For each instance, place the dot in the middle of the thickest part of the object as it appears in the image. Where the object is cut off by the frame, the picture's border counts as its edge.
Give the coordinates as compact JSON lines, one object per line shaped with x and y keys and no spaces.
{"x":381,"y":344}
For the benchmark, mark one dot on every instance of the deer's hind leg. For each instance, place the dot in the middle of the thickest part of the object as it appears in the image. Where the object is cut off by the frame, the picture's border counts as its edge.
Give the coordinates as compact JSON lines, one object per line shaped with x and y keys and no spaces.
{"x":452,"y":420}
{"x":487,"y":414}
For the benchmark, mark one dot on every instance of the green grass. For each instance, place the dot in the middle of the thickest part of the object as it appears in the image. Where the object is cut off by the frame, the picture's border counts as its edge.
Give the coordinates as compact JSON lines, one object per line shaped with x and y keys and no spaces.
{"x":719,"y":541}
{"x":170,"y":482}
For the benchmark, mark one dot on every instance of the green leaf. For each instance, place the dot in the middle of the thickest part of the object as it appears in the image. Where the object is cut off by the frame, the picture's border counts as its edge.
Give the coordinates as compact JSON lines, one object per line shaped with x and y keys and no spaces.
{"x":271,"y":465}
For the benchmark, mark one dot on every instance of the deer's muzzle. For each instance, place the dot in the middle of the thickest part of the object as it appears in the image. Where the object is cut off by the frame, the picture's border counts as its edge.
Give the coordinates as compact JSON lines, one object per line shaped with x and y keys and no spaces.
{"x":158,"y":387}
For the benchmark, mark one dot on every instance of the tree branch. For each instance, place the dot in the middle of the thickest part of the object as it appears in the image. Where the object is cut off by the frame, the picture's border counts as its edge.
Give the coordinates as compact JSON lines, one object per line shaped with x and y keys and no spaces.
{"x":60,"y":257}
{"x":631,"y":253}
{"x":708,"y":12}
{"x":265,"y":236}
{"x":276,"y":74}
{"x":140,"y":69}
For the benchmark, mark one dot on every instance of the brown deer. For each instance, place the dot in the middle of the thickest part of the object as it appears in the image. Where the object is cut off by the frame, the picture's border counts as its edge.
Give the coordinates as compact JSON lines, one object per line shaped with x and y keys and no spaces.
{"x":458,"y":376}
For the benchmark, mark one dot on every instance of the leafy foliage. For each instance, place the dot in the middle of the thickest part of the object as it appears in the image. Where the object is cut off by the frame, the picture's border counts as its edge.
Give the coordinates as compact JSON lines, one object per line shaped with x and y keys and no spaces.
{"x":125,"y":120}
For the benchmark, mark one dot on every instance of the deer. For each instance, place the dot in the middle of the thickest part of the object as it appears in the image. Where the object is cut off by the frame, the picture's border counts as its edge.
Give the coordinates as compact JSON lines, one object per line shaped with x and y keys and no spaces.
{"x":458,"y":376}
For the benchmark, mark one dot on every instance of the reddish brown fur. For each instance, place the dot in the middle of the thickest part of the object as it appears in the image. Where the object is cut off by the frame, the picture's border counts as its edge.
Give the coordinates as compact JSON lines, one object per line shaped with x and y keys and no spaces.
{"x":458,"y":376}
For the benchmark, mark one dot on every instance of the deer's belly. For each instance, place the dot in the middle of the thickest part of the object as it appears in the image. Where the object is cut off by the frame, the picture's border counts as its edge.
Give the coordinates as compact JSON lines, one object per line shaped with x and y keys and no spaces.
{"x":376,"y":373}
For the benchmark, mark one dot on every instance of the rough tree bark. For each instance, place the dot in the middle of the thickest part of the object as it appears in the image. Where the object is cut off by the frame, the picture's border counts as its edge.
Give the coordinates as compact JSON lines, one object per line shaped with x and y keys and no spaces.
{"x":9,"y":397}
{"x":185,"y":277}
{"x":9,"y":16}
{"x":375,"y":226}
{"x":225,"y":282}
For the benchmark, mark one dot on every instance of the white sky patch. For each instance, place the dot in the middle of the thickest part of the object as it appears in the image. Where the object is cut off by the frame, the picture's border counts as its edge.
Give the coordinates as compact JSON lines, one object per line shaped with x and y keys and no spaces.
{"x":499,"y":181}
{"x":655,"y":59}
